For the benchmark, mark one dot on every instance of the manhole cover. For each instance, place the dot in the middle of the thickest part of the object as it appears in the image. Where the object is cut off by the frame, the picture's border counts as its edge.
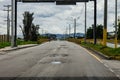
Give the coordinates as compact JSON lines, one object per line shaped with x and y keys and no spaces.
{"x":56,"y":62}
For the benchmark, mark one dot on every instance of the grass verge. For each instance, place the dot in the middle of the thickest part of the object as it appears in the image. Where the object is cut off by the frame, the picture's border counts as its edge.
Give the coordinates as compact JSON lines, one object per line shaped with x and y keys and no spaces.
{"x":20,"y":42}
{"x":114,"y":53}
{"x":4,"y":44}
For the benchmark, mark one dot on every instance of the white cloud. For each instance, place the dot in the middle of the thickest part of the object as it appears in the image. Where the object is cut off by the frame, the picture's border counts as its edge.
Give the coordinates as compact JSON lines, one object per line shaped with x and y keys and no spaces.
{"x":1,"y":0}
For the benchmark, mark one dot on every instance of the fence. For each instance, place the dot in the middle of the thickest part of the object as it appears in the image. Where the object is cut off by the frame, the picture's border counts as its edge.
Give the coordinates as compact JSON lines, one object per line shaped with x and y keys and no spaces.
{"x":3,"y":38}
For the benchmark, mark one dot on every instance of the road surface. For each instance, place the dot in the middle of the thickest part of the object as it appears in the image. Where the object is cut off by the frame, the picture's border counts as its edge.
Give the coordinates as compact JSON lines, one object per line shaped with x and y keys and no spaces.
{"x":55,"y":60}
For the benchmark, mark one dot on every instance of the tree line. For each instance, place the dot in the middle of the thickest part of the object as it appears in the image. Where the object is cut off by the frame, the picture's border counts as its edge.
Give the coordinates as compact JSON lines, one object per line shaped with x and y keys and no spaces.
{"x":99,"y":32}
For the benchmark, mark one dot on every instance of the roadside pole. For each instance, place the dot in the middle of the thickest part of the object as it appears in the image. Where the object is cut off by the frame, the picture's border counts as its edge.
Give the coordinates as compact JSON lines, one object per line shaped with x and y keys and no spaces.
{"x":69,"y":30}
{"x":85,"y":21}
{"x":116,"y":24}
{"x":13,"y":23}
{"x":105,"y":24}
{"x":74,"y":28}
{"x":95,"y":21}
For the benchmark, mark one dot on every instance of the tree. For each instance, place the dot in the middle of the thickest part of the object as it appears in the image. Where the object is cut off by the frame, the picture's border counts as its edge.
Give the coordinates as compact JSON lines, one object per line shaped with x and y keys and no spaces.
{"x":29,"y":30}
{"x":90,"y":33}
{"x":27,"y":22}
{"x":34,"y":32}
{"x":99,"y":32}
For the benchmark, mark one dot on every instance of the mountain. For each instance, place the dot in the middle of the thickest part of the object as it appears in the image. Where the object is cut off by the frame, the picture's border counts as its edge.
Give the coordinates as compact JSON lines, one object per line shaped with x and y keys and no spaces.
{"x":78,"y":35}
{"x":61,"y":36}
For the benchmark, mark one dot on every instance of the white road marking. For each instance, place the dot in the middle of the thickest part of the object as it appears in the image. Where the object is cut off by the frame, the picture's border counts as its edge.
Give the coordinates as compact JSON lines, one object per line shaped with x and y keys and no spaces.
{"x":106,"y":65}
{"x":111,"y":70}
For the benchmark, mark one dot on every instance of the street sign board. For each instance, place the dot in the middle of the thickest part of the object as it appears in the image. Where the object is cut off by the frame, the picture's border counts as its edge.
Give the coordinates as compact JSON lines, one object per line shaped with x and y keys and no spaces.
{"x":69,"y":2}
{"x":65,"y":2}
{"x":38,"y":0}
{"x":59,"y":1}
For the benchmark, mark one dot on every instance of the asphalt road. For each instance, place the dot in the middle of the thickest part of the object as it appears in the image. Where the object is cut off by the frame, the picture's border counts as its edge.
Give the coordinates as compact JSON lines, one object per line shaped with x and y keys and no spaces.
{"x":55,"y":60}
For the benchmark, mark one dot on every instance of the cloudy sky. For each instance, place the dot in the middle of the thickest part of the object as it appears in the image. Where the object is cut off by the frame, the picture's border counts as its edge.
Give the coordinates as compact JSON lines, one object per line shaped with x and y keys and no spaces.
{"x":55,"y":19}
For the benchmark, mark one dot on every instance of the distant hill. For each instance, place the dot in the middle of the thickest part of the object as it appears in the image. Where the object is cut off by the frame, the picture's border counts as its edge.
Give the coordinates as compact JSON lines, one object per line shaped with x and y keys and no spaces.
{"x":59,"y":36}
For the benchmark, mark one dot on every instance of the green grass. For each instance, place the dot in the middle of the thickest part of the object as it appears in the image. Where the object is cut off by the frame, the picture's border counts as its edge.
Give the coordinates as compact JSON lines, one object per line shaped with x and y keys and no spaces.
{"x":111,"y":52}
{"x":20,"y":42}
{"x":4,"y":44}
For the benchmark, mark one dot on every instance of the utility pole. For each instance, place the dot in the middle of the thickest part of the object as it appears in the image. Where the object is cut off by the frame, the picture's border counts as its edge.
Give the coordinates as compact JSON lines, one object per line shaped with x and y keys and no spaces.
{"x":74,"y":28}
{"x":105,"y":24}
{"x":69,"y":30}
{"x":85,"y":21}
{"x":8,"y":21}
{"x":95,"y":21}
{"x":66,"y":32}
{"x":13,"y":23}
{"x":74,"y":22}
{"x":115,"y":23}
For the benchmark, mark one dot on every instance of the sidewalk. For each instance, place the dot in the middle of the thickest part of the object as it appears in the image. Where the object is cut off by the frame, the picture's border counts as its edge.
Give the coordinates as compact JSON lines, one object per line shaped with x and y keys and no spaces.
{"x":16,"y":48}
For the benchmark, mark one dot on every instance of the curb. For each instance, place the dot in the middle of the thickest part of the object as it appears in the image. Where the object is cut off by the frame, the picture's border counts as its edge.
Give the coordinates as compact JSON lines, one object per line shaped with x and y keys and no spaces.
{"x":17,"y":48}
{"x":98,"y":53}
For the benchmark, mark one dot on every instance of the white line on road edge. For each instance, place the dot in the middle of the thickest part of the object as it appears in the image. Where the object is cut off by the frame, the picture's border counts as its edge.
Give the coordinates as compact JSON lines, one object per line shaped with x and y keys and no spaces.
{"x":93,"y":55}
{"x":106,"y":65}
{"x":111,"y":70}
